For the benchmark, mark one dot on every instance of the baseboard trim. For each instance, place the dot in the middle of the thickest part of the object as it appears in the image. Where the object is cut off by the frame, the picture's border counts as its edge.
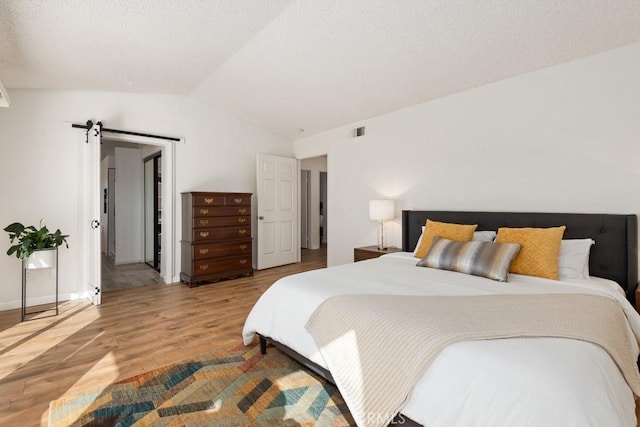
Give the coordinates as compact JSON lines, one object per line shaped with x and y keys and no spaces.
{"x":129,"y":261}
{"x":10,"y":305}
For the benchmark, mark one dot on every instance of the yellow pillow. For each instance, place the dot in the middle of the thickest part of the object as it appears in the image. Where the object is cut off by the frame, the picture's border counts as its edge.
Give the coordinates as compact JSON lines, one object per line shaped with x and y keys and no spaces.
{"x":539,"y":250}
{"x":456,"y":232}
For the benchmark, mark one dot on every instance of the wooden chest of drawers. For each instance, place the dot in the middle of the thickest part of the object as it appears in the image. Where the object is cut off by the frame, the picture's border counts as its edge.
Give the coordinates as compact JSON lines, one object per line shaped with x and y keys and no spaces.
{"x":216,"y":237}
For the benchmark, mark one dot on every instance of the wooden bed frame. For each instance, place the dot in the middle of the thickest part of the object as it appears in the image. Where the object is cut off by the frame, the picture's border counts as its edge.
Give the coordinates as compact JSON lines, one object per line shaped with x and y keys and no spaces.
{"x":614,"y":255}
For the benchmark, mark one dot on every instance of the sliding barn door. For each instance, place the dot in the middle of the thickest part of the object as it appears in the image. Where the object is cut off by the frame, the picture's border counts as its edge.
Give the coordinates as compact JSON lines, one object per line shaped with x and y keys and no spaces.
{"x":277,"y":201}
{"x":91,"y":222}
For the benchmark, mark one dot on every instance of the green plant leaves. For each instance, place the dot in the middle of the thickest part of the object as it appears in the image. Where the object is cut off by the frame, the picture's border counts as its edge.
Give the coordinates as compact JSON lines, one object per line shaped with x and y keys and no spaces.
{"x":31,"y":239}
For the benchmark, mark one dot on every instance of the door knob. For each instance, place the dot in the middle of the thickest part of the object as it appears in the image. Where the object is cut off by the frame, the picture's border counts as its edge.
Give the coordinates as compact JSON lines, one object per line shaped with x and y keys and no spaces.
{"x":260,"y":217}
{"x":95,"y":224}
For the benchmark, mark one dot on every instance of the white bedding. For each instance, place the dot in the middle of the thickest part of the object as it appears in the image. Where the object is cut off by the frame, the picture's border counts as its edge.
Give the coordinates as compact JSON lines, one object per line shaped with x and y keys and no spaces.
{"x":511,"y":382}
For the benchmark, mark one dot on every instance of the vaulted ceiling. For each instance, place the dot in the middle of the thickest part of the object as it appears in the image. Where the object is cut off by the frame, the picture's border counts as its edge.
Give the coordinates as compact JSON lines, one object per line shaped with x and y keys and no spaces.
{"x":287,"y":65}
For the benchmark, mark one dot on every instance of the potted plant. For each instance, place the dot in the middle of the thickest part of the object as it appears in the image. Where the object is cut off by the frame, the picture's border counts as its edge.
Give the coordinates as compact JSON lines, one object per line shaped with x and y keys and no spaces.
{"x":34,"y":244}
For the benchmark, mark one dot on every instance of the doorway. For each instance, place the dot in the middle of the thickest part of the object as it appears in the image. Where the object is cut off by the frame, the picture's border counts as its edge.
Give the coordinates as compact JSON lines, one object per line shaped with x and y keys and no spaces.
{"x":323,"y":208}
{"x":124,"y":168}
{"x":153,"y":210}
{"x":90,"y":226}
{"x":110,"y":210}
{"x":314,"y":203}
{"x":305,"y":208}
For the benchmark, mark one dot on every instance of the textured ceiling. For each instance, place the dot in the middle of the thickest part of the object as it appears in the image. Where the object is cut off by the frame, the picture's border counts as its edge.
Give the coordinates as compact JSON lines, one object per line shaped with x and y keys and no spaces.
{"x":312,"y":64}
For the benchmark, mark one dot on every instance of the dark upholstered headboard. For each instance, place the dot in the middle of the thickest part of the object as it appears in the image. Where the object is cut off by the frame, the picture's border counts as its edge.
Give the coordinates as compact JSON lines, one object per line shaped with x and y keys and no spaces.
{"x":614,"y":256}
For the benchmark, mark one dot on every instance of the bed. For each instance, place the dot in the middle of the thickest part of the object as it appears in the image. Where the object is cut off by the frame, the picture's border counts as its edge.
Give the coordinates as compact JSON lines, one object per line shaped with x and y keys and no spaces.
{"x":502,"y":382}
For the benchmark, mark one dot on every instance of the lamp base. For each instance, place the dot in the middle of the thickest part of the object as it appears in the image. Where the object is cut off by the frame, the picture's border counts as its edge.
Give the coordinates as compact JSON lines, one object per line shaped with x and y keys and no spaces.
{"x":381,"y":246}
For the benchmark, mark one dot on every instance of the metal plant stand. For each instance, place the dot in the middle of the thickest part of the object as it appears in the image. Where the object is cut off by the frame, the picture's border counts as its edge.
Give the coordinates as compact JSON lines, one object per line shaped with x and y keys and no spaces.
{"x":25,"y":267}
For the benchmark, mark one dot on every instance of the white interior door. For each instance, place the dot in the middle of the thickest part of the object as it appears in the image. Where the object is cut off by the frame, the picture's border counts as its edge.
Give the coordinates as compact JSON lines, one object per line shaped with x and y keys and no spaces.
{"x":91,"y":223}
{"x":277,"y":209}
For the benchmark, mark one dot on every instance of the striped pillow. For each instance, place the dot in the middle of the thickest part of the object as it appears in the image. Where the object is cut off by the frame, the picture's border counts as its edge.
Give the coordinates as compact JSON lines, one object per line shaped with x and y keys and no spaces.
{"x":485,"y":259}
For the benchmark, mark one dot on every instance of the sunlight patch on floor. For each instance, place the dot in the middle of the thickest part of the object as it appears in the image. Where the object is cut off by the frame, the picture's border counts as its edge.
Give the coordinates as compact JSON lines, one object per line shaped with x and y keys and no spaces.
{"x":108,"y":364}
{"x":106,"y":369}
{"x":29,"y":340}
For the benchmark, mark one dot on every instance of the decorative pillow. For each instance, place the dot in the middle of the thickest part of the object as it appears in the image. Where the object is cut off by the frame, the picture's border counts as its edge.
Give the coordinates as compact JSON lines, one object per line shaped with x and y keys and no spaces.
{"x":573,"y":261}
{"x":539,"y":249}
{"x":485,"y":259}
{"x":457,"y":232}
{"x":484,"y":236}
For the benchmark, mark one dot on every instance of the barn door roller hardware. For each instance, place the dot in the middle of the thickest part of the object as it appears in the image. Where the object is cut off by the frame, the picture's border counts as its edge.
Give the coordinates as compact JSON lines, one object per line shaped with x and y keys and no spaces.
{"x":123,"y":132}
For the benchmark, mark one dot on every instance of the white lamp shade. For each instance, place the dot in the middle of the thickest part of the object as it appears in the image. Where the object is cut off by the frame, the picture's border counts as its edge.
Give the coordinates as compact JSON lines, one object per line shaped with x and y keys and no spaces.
{"x":381,"y":210}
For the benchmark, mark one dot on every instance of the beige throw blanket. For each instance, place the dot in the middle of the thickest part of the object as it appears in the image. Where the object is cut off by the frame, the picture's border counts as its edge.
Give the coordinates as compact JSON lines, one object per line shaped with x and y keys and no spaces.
{"x":378,"y":346}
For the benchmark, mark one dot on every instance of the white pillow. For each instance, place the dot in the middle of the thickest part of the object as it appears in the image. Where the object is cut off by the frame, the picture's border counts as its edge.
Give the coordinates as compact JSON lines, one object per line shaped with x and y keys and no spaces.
{"x":482,"y":236}
{"x":415,"y":250}
{"x":573,"y":260}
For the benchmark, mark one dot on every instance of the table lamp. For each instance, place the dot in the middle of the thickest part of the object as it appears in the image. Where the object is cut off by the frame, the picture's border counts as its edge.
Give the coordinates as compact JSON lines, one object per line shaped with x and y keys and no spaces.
{"x":381,"y":211}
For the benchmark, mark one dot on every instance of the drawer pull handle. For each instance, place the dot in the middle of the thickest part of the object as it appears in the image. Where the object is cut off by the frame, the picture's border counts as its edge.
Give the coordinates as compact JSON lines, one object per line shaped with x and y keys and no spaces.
{"x":204,"y":234}
{"x":204,"y":267}
{"x":243,"y":247}
{"x":204,"y":251}
{"x":242,"y":220}
{"x":204,"y":222}
{"x":204,"y":211}
{"x":243,"y":261}
{"x":243,"y":210}
{"x":238,"y":201}
{"x":208,"y":200}
{"x":242,"y":231}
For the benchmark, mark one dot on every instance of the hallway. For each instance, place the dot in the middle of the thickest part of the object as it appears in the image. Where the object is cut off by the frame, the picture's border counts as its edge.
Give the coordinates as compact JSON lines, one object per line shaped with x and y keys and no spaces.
{"x":124,"y":276}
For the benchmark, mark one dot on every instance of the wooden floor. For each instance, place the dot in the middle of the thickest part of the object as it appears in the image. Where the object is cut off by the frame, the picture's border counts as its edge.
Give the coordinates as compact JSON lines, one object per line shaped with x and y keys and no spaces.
{"x":134,"y":330}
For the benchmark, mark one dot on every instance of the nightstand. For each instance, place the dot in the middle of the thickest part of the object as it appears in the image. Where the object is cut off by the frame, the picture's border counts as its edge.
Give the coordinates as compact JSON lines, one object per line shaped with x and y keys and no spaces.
{"x":368,"y":252}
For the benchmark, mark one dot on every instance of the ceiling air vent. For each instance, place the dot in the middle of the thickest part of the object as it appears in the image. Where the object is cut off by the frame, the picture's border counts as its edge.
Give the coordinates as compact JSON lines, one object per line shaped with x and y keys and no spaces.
{"x":4,"y":96}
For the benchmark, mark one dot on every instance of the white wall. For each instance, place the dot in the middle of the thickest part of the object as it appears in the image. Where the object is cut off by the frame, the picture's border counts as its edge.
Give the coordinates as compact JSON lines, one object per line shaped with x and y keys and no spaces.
{"x":315,"y":165}
{"x":129,"y":206}
{"x":40,"y":160}
{"x":561,"y":139}
{"x":148,"y":150}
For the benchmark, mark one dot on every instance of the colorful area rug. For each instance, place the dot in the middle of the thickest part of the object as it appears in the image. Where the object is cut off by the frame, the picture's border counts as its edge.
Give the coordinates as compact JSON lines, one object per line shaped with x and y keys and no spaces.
{"x":234,"y":386}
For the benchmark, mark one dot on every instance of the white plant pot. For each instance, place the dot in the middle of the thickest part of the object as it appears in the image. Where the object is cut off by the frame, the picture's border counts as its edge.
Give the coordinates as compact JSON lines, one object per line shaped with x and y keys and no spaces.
{"x":44,"y":258}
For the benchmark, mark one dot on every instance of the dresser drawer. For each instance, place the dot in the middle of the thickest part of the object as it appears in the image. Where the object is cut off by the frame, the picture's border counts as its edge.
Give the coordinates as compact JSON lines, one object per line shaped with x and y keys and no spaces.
{"x":219,"y":265}
{"x":202,"y":211}
{"x":212,"y":250}
{"x":222,"y":221}
{"x":237,"y":199}
{"x":208,"y":200}
{"x":221,"y":233}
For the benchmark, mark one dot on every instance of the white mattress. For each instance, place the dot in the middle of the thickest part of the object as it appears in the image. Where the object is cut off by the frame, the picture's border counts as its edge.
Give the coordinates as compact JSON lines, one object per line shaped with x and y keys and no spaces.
{"x":510,"y":382}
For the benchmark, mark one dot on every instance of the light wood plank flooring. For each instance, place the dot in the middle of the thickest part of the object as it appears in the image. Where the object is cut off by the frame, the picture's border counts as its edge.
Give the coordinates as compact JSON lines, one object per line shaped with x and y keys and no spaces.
{"x":133,"y":331}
